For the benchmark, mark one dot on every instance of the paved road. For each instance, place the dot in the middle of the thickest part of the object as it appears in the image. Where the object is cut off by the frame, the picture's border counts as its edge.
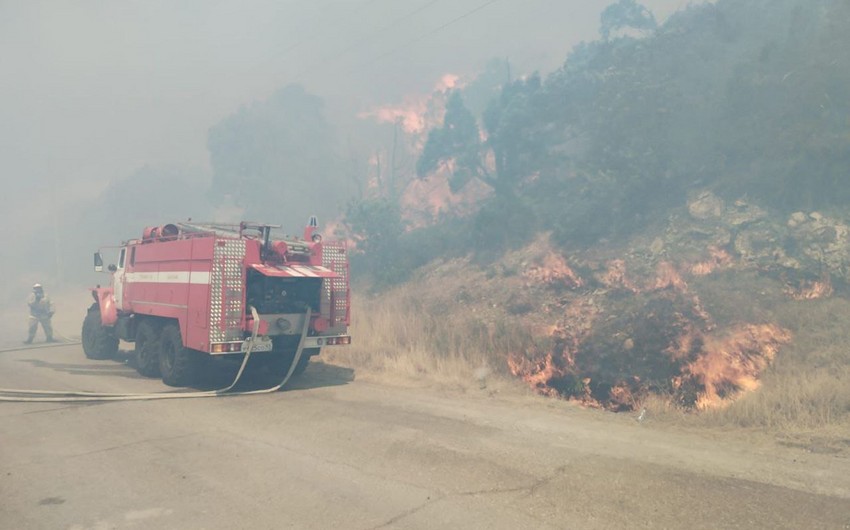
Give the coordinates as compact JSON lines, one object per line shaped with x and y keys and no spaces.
{"x":333,"y":452}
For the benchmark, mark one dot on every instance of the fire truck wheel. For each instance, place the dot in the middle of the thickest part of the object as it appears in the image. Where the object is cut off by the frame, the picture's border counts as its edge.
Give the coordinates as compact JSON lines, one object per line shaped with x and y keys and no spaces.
{"x":177,"y":364}
{"x":99,"y":342}
{"x":147,"y":349}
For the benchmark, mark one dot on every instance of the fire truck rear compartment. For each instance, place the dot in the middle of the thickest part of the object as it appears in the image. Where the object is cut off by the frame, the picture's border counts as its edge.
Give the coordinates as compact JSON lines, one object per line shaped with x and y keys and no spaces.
{"x":273,"y":295}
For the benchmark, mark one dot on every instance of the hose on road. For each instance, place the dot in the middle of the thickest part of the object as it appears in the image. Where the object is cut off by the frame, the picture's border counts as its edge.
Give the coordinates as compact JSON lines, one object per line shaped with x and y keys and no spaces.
{"x":42,"y":346}
{"x":54,"y":396}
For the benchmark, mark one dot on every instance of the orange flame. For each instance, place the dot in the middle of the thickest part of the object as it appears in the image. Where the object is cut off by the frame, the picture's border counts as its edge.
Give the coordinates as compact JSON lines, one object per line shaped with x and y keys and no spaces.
{"x":545,"y":375}
{"x":423,"y":200}
{"x":418,"y":113}
{"x":426,"y":200}
{"x":554,"y":271}
{"x":538,"y":374}
{"x":731,"y":365}
{"x":715,"y":369}
{"x":719,"y":259}
{"x":622,"y":397}
{"x":615,"y":277}
{"x":668,"y":277}
{"x":811,"y":290}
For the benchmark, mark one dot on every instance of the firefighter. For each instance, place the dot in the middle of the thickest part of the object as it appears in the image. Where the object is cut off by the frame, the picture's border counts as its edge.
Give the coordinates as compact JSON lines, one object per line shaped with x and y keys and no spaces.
{"x":41,"y":311}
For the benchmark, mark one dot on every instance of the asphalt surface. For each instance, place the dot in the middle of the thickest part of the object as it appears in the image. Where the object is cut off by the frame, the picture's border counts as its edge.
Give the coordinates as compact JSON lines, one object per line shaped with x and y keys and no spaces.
{"x":334,"y":452}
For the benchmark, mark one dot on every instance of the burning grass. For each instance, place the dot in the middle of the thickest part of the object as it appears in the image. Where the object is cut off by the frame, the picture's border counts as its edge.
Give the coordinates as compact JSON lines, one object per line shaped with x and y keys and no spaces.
{"x":806,"y":387}
{"x":658,"y":345}
{"x":729,"y":344}
{"x":655,"y":338}
{"x":554,"y":270}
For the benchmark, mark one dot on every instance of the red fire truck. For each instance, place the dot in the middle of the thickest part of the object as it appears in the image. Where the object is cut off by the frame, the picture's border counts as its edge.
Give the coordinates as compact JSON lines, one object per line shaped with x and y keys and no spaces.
{"x":188,"y":291}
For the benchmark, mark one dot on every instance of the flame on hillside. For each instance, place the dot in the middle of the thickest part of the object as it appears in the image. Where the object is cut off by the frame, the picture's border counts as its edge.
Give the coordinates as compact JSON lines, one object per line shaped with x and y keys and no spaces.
{"x":731,"y":365}
{"x":554,"y":374}
{"x":719,"y":259}
{"x":615,"y":277}
{"x":423,"y":201}
{"x":667,"y":277}
{"x":554,"y":270}
{"x":701,"y":366}
{"x":811,"y":290}
{"x":714,"y":370}
{"x":417,"y":113}
{"x":429,"y":199}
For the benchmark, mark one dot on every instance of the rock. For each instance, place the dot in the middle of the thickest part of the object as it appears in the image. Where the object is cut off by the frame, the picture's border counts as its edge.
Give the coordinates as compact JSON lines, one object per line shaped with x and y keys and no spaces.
{"x":657,"y":246}
{"x":706,"y":206}
{"x":758,"y":243}
{"x":796,"y":219}
{"x":743,"y":213}
{"x":789,"y":263}
{"x":823,"y":242}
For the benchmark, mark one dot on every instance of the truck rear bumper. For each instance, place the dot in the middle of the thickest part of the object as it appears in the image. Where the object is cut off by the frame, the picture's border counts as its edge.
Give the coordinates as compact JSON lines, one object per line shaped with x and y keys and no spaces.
{"x":332,"y":340}
{"x":264,"y":344}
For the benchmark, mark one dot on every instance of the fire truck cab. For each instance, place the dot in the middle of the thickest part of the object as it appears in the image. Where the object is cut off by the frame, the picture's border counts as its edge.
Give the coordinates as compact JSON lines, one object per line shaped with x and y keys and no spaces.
{"x":184,"y":292}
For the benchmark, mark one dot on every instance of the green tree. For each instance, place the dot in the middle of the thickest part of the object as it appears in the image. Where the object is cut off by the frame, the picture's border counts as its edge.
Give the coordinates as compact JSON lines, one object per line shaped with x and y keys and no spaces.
{"x":278,"y":160}
{"x":458,"y":140}
{"x":624,"y":15}
{"x":377,"y":226}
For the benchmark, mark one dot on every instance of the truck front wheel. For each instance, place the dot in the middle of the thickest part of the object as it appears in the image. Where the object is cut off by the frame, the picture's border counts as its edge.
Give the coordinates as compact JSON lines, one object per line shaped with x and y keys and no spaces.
{"x":99,"y":342}
{"x":178,"y":365}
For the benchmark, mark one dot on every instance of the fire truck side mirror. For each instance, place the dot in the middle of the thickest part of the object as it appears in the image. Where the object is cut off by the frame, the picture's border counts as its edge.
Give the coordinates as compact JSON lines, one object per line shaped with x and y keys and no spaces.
{"x":98,"y":262}
{"x":112,"y":267}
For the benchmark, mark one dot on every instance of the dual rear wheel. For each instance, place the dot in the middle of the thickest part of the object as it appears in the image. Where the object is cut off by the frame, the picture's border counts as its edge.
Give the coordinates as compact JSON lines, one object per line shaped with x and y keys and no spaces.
{"x":160,"y":352}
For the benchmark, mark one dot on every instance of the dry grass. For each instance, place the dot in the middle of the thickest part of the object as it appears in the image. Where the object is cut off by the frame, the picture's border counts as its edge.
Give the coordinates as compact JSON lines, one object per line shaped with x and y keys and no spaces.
{"x":416,"y":333}
{"x":401,"y":335}
{"x":807,"y":390}
{"x":809,"y":386}
{"x":803,"y":400}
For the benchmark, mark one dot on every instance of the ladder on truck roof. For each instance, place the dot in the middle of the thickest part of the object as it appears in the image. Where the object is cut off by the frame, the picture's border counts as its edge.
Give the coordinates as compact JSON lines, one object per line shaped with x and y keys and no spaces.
{"x":224,"y":229}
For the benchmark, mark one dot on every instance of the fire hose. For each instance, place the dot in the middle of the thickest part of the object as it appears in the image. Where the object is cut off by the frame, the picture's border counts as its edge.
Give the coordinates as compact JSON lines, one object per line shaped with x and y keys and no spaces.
{"x":54,"y":396}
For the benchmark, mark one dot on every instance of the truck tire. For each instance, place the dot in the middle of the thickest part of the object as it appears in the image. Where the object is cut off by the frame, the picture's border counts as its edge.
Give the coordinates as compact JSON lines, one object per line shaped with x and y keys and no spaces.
{"x":147,"y":349}
{"x":178,"y":365}
{"x":99,"y":342}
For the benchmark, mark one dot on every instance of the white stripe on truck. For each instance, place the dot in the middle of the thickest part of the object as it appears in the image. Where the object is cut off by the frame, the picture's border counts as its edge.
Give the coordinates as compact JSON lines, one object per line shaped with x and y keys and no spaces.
{"x":193,"y":277}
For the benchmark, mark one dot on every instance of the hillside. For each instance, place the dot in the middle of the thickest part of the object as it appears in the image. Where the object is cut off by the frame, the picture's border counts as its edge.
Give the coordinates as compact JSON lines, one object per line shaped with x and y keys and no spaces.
{"x":661,"y":222}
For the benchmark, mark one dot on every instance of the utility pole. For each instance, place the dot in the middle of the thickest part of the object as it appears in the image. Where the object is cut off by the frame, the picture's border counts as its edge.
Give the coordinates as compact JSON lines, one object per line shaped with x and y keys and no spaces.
{"x":392,"y":161}
{"x":378,"y":176}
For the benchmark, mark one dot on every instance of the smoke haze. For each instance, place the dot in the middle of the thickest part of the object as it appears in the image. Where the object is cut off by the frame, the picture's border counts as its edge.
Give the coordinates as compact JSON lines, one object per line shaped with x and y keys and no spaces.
{"x":96,"y":92}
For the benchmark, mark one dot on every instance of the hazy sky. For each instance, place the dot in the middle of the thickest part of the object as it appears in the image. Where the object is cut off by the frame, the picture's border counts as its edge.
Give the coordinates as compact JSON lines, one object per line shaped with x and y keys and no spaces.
{"x":92,"y":90}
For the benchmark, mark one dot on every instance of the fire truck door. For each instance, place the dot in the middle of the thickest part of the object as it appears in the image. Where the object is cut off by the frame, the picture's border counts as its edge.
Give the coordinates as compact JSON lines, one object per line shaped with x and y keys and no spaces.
{"x":118,"y":281}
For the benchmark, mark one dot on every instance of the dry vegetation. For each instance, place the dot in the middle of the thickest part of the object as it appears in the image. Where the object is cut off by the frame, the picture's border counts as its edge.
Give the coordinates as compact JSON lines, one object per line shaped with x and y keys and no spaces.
{"x":404,"y":336}
{"x":807,"y":387}
{"x":420,"y":332}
